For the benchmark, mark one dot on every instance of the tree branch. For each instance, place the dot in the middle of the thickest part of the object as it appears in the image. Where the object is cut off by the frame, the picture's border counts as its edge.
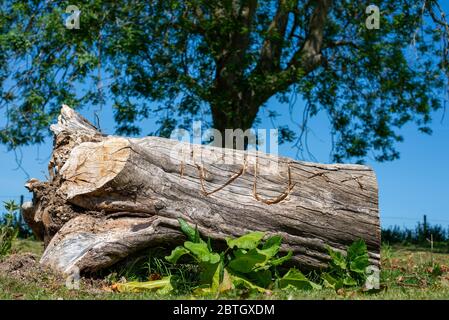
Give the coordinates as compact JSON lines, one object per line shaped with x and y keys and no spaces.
{"x":308,"y":57}
{"x":270,"y":56}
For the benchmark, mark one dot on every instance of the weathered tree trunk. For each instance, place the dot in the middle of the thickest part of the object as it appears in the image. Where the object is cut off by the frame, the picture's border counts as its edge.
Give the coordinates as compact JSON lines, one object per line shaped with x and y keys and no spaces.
{"x":108,"y":197}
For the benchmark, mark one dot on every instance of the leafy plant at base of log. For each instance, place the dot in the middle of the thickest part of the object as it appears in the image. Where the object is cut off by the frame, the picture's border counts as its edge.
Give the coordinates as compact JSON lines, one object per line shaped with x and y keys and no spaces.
{"x":248,"y":262}
{"x":347,"y":270}
{"x":252,"y":264}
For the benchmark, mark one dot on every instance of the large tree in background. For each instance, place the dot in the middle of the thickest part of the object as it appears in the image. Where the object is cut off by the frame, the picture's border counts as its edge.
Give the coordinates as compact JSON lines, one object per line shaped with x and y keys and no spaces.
{"x":180,"y":59}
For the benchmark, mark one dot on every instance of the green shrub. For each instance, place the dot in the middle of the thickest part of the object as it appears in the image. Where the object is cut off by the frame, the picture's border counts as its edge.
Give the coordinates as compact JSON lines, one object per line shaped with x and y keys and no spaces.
{"x":347,"y":270}
{"x":8,"y":231}
{"x":247,"y":263}
{"x":15,"y":220}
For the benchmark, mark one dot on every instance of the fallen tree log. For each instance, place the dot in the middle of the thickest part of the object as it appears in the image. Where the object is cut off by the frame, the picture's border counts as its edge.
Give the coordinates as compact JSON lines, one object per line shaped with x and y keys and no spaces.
{"x":107,"y":197}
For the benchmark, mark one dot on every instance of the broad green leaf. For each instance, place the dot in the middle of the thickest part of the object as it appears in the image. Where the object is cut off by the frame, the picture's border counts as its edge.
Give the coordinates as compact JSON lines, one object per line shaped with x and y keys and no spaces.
{"x":328,"y":280}
{"x":281,"y":260}
{"x":187,"y":230}
{"x":337,"y":259}
{"x":207,"y":272}
{"x":248,"y":241}
{"x":221,"y":280}
{"x":359,"y":264}
{"x":262,"y":278}
{"x":357,"y":249}
{"x":216,"y":278}
{"x":201,"y":252}
{"x":271,"y":247}
{"x":162,"y":286}
{"x":241,"y":282}
{"x":177,"y":253}
{"x":245,"y":263}
{"x":272,"y":241}
{"x":269,"y":261}
{"x":296,"y":279}
{"x":349,"y":281}
{"x":239,"y":252}
{"x":331,"y":282}
{"x":209,"y":244}
{"x":197,"y":238}
{"x":358,"y":257}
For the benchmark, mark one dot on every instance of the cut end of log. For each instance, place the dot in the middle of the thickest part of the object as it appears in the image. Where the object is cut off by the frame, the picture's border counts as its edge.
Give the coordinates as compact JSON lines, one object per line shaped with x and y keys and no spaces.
{"x":100,"y":163}
{"x":109,"y":197}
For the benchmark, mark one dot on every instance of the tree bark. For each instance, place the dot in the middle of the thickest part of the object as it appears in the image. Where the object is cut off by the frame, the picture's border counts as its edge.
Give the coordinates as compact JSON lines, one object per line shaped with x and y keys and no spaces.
{"x":108,"y":197}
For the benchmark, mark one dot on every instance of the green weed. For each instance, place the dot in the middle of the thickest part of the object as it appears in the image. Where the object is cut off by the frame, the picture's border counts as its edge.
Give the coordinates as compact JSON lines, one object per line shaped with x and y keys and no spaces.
{"x":347,"y":270}
{"x":248,"y":264}
{"x":8,"y":232}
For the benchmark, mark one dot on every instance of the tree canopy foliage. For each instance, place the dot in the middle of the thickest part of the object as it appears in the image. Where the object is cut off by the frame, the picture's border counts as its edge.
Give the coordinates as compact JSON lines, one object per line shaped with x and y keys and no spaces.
{"x":182,"y":60}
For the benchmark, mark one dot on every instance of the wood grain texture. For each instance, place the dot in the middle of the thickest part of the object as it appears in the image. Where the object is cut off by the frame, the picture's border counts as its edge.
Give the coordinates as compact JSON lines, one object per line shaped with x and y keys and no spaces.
{"x":109,"y":196}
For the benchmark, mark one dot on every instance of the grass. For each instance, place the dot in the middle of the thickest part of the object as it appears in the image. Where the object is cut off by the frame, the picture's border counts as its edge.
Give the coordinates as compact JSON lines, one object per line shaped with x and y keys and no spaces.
{"x":28,"y":245}
{"x":406,"y":274}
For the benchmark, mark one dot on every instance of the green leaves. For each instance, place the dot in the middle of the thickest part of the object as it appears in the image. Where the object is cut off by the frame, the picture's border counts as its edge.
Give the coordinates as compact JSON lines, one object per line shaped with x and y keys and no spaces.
{"x":191,"y":233}
{"x":9,"y":228}
{"x":331,"y":282}
{"x":358,"y":257}
{"x":195,"y":247}
{"x":248,"y":241}
{"x":176,"y":254}
{"x":11,"y":206}
{"x":263,"y":278}
{"x":251,"y":263}
{"x":271,"y":247}
{"x":241,"y":282}
{"x":281,"y":260}
{"x":296,"y":279}
{"x":246,"y":262}
{"x":162,"y":286}
{"x":201,"y":252}
{"x":347,"y":270}
{"x":338,"y":260}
